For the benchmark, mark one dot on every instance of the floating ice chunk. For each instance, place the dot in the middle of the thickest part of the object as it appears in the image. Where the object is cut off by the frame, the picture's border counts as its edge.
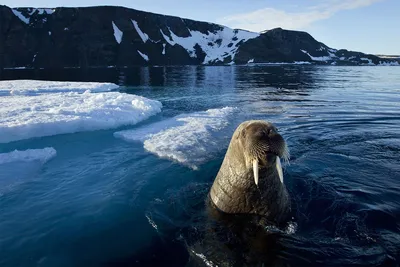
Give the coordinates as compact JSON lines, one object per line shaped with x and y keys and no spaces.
{"x":142,"y":35}
{"x":20,"y":16}
{"x":190,"y":139}
{"x":143,"y":133}
{"x":117,"y":33}
{"x":42,"y":155}
{"x":49,"y":33}
{"x":324,"y":58}
{"x":26,"y":117}
{"x":250,"y":61}
{"x":33,"y":87}
{"x":144,"y":56}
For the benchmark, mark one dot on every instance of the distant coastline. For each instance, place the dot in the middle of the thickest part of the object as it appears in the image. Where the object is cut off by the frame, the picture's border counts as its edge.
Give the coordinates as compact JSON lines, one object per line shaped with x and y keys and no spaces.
{"x":104,"y":36}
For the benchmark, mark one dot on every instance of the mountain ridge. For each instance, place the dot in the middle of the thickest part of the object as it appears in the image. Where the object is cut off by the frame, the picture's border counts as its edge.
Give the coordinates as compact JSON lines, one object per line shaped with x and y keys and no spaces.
{"x":103,"y":36}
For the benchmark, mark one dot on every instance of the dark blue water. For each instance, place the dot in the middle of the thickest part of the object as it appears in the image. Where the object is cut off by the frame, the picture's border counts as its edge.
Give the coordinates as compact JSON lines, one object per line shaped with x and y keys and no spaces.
{"x":105,"y":202}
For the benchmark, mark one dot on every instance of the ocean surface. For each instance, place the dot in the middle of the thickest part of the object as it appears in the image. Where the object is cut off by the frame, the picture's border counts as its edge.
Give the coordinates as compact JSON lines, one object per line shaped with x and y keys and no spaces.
{"x":135,"y":195}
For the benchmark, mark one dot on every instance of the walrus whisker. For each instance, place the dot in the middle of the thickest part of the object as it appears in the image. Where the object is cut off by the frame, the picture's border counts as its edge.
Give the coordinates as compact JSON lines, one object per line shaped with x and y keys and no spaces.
{"x":286,"y":155}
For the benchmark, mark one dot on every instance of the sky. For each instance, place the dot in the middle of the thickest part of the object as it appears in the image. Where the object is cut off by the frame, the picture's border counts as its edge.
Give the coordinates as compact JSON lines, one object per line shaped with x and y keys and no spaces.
{"x":369,"y":26}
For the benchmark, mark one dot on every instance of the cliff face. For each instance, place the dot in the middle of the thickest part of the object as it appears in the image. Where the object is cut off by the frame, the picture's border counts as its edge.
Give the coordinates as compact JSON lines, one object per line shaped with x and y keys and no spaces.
{"x":116,"y":36}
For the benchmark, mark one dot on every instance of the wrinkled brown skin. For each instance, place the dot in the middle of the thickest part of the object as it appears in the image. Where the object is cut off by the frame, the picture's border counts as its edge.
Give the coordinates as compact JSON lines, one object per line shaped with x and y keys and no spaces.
{"x":234,"y":190}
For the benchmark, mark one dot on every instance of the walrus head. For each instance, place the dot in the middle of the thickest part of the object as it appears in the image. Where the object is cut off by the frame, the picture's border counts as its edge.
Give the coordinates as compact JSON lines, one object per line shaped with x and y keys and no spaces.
{"x":250,"y":179}
{"x":262,"y":146}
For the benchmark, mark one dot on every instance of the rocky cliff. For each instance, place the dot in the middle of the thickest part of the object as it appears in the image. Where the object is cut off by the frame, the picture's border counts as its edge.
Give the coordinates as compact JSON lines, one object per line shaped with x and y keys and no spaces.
{"x":116,"y":36}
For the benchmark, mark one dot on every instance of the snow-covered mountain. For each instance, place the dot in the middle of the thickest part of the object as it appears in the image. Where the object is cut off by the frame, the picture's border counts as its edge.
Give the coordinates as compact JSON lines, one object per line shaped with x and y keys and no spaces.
{"x":116,"y":36}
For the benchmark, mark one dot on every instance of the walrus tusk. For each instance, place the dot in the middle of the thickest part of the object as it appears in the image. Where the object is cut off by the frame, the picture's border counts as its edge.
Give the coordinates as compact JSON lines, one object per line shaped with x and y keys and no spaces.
{"x":255,"y":170}
{"x":279,"y":168}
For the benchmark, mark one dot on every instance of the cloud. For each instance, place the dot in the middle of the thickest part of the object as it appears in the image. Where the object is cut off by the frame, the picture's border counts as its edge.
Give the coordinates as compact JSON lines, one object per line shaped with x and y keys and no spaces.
{"x":268,"y":18}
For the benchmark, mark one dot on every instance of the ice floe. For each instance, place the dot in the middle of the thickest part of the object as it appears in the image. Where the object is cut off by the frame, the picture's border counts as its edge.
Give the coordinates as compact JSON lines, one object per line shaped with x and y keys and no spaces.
{"x":42,"y":155}
{"x":142,"y":35}
{"x":190,"y":139}
{"x":117,"y":33}
{"x":26,"y":117}
{"x":34,"y":87}
{"x":217,"y":45}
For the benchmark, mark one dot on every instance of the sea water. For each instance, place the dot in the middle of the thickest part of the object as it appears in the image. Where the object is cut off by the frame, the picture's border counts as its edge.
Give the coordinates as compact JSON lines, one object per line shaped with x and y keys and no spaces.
{"x":133,"y":194}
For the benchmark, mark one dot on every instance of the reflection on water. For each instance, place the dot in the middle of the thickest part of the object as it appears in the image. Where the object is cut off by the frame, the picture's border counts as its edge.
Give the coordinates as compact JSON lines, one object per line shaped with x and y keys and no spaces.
{"x":125,"y":207}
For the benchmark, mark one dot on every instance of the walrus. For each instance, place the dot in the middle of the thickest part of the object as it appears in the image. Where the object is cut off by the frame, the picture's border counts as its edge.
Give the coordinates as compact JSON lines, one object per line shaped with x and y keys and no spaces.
{"x":250,"y":179}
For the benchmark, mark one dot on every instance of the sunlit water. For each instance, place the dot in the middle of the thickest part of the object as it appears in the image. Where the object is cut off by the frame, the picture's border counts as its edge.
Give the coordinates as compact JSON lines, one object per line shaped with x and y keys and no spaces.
{"x":103,"y":201}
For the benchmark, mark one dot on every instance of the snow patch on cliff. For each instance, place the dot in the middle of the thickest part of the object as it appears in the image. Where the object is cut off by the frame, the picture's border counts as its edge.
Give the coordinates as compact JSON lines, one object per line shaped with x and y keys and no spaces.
{"x":167,"y":38}
{"x":324,"y":58}
{"x":142,"y":35}
{"x":392,"y":63}
{"x":163,"y":51}
{"x":144,"y":56}
{"x":117,"y":33}
{"x":218,"y":45}
{"x":20,"y":16}
{"x":369,"y":61}
{"x":41,"y":11}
